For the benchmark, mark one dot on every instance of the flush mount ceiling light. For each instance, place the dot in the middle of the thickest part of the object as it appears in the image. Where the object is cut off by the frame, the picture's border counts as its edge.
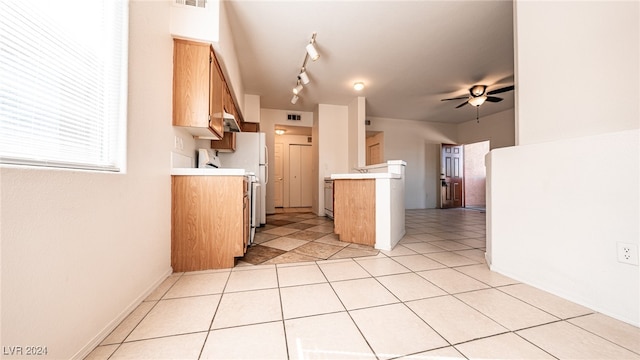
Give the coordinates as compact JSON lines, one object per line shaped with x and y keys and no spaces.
{"x":280,"y":131}
{"x":358,"y":86}
{"x":303,"y":77}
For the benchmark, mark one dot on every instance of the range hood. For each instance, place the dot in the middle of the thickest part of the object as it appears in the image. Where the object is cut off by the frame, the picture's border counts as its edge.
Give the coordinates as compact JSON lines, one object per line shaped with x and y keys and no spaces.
{"x":230,"y":123}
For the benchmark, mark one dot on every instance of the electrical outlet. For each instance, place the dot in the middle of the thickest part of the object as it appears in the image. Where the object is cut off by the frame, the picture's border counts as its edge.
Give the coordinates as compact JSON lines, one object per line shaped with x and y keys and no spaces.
{"x":628,"y":253}
{"x":176,"y":142}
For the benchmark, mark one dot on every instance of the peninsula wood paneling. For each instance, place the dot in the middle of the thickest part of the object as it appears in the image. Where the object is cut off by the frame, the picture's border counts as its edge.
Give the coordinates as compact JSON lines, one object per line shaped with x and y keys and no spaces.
{"x":354,"y":210}
{"x":206,"y":222}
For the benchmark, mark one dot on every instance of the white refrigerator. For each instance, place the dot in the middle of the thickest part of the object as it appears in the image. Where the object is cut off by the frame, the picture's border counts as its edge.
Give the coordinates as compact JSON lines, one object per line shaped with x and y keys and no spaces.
{"x":251,"y":154}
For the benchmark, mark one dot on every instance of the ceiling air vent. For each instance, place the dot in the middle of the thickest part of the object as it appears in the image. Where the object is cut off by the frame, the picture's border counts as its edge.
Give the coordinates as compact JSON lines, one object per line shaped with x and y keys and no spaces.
{"x":194,"y":3}
{"x":294,"y":117}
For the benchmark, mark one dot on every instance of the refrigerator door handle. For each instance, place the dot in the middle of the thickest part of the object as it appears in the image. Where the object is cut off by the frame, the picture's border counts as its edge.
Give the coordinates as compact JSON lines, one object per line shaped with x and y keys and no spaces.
{"x":266,"y":164}
{"x":266,"y":174}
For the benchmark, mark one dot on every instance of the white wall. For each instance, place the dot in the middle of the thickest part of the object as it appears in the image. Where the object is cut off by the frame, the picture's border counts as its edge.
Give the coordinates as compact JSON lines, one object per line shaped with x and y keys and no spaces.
{"x":417,"y":143}
{"x":498,"y":128}
{"x":555,"y":222}
{"x":80,"y":249}
{"x":577,"y":70}
{"x":557,"y":207}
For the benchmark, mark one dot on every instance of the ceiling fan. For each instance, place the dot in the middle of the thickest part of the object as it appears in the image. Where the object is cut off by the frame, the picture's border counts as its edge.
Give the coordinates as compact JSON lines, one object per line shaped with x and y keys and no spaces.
{"x":478,"y":94}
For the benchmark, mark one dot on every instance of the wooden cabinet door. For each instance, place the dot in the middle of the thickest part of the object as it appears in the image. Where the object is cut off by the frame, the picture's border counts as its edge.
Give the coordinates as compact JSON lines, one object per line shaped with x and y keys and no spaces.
{"x":190,"y":84}
{"x":216,"y":98}
{"x":226,"y":144}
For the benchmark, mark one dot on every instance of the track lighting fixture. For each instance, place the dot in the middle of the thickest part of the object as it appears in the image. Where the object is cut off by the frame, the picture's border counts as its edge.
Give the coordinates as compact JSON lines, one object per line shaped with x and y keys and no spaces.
{"x":313,"y":53}
{"x":298,"y":88}
{"x":303,"y":77}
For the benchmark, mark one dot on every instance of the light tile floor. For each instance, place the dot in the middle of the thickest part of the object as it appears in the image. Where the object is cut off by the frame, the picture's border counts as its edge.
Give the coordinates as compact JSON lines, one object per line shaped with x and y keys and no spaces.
{"x":431,"y":297}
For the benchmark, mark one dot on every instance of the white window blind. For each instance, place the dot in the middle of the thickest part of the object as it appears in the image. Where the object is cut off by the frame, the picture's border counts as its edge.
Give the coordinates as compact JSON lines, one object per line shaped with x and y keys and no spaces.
{"x":63,"y":83}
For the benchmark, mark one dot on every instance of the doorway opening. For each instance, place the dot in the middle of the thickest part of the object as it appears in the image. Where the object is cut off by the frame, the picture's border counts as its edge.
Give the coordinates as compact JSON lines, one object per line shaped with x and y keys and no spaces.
{"x":463,"y":175}
{"x":293,"y":185}
{"x":375,"y":147}
{"x":475,"y":179}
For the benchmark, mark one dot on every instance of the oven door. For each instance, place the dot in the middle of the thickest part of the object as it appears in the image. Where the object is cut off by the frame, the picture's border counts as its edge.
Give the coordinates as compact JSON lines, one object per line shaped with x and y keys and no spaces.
{"x":328,"y":198}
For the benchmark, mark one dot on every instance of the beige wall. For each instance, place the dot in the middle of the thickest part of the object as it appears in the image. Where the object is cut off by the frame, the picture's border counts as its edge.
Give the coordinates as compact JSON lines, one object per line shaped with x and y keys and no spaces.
{"x":498,"y":128}
{"x":357,"y":132}
{"x":80,"y":249}
{"x":333,"y":146}
{"x":417,"y":143}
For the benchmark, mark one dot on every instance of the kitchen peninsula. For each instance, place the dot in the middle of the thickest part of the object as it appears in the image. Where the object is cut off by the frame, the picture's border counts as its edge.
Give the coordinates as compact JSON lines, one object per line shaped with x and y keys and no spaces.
{"x":369,"y":205}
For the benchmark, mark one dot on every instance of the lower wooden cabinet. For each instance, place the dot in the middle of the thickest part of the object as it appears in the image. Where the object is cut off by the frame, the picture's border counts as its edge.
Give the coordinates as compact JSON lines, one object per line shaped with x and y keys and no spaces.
{"x":354,"y":210}
{"x":209,"y":221}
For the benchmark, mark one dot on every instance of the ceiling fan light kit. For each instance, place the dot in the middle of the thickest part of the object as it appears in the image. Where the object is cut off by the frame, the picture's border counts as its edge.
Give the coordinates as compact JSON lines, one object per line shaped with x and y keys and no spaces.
{"x":477,"y":101}
{"x":478,"y":94}
{"x":303,"y":77}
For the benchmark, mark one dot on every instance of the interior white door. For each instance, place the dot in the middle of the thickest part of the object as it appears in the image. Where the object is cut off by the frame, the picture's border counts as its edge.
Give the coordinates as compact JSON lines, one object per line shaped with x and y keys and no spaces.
{"x":278,"y":154}
{"x":305,"y":175}
{"x":299,"y":175}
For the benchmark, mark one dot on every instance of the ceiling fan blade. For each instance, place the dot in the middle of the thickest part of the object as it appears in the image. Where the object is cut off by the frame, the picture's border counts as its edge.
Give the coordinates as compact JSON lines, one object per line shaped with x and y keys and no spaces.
{"x":493,"y":99}
{"x":456,"y":98}
{"x":461,"y":105}
{"x":501,"y":90}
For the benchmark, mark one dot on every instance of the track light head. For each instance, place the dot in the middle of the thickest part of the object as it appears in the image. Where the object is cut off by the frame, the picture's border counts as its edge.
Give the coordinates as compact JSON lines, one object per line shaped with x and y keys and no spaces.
{"x":313,"y":53}
{"x":294,"y":99}
{"x":303,"y":77}
{"x":298,"y":88}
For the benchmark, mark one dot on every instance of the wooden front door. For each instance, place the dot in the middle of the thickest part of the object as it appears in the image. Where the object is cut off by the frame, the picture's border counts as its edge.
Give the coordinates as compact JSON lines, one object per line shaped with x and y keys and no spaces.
{"x":452,"y":176}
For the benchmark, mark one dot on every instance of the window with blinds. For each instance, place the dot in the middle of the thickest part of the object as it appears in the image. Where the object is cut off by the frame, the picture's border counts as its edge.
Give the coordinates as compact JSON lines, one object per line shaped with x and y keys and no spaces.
{"x":63,"y":83}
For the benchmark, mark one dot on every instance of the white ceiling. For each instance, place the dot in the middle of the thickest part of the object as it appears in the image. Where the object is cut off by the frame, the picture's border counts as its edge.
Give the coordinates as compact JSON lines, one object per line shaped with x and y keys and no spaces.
{"x":410,"y":54}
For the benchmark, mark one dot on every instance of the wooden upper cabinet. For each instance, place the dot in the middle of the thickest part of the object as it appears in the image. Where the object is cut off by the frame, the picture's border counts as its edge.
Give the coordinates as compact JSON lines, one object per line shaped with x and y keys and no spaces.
{"x":226,"y":144}
{"x":197,"y":89}
{"x":218,"y":87}
{"x":250,"y":127}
